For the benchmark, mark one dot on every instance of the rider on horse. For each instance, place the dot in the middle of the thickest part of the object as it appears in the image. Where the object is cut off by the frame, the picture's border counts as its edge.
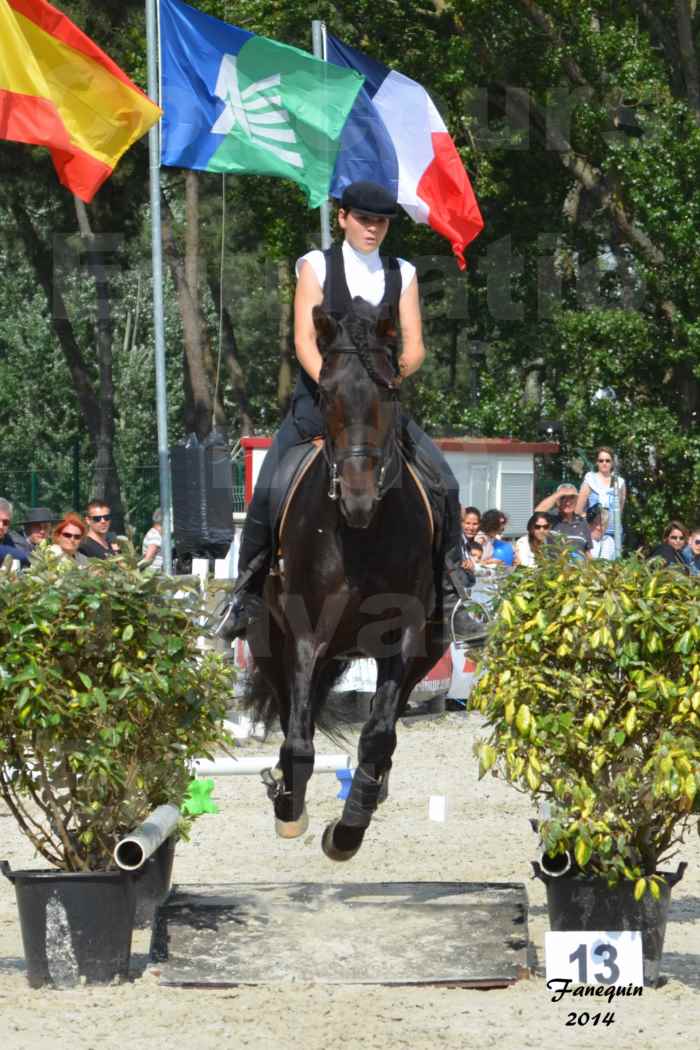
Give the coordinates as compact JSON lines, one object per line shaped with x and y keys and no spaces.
{"x":333,"y":279}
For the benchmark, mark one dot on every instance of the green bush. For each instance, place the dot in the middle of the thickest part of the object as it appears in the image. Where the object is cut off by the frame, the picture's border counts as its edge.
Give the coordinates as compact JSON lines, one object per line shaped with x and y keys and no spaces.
{"x":592,"y":693}
{"x":104,"y":698}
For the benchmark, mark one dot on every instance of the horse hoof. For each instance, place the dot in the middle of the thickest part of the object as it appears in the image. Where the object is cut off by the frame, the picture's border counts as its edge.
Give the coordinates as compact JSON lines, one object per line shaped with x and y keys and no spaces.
{"x":292,"y":829}
{"x":328,"y":847}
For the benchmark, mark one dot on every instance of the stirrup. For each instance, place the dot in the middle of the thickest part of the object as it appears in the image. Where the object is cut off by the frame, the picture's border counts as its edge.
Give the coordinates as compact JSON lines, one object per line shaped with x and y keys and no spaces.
{"x":477,"y":637}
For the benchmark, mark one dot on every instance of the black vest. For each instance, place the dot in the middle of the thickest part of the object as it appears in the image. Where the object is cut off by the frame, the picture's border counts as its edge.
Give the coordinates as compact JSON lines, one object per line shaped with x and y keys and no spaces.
{"x":337,"y":301}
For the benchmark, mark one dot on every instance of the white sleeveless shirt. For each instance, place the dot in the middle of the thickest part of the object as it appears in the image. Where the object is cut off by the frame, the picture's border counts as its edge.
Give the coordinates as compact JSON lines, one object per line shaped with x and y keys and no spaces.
{"x":364,"y":273}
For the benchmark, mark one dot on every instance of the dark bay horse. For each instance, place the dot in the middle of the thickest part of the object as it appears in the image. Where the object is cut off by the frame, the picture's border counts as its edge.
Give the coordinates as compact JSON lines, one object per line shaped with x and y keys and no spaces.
{"x":357,"y":577}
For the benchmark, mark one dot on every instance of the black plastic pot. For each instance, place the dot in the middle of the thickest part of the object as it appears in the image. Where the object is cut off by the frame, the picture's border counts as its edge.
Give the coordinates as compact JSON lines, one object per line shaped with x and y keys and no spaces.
{"x":152,"y":882}
{"x":576,"y":902}
{"x":75,"y":925}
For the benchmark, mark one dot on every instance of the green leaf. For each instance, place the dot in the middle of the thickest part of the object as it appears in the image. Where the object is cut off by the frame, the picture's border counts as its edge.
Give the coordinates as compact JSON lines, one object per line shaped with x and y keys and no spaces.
{"x":128,"y":633}
{"x":582,"y":852}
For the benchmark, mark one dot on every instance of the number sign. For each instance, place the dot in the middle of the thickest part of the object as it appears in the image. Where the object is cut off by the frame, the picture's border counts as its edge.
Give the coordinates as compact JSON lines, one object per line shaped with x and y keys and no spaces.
{"x":595,"y":957}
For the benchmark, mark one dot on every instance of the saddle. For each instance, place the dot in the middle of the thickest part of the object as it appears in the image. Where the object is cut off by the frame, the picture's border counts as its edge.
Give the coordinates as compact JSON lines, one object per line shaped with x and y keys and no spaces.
{"x":291,"y":472}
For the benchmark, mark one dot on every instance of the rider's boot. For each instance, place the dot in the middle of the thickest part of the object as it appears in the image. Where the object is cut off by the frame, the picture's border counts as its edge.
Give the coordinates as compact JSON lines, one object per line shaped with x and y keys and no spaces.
{"x":246,"y":605}
{"x":456,"y":583}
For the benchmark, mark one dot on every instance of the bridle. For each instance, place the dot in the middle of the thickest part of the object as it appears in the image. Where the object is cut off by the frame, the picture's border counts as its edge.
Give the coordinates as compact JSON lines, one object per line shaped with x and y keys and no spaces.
{"x":383,"y":456}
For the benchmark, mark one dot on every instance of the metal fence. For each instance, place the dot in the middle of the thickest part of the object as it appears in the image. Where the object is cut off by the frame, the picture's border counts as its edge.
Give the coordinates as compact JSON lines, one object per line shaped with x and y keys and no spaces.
{"x":67,"y":485}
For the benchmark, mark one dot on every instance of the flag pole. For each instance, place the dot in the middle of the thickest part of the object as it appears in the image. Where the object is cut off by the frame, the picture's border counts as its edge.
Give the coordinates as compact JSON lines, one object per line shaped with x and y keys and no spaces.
{"x":158,"y":313}
{"x":318,"y":38}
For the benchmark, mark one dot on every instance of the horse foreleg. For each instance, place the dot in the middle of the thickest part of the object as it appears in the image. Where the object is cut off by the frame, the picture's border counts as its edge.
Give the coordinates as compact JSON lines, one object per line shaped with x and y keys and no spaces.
{"x":296,"y":758}
{"x":342,"y":838}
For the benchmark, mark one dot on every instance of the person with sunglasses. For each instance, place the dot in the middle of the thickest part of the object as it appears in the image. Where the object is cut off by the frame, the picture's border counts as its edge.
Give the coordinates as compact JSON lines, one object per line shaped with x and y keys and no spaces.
{"x":691,"y":553}
{"x":529,"y":546}
{"x":66,"y":539}
{"x":11,"y":543}
{"x":603,"y":489}
{"x":97,"y":543}
{"x":675,"y":537}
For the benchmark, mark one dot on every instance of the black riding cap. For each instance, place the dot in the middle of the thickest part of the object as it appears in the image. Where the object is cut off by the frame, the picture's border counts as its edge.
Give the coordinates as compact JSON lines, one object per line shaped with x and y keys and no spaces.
{"x":370,"y":198}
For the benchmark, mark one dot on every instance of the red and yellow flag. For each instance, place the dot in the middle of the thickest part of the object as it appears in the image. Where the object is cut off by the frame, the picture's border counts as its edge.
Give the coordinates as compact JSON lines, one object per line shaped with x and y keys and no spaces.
{"x":58,"y":89}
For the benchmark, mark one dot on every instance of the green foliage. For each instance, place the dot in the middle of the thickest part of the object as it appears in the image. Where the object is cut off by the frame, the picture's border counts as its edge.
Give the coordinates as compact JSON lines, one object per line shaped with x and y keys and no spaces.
{"x":104,"y":700}
{"x":592,"y":694}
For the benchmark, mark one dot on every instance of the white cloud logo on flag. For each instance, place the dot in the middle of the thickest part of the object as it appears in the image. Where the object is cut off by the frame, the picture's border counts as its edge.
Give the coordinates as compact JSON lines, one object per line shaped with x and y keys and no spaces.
{"x":259,"y":115}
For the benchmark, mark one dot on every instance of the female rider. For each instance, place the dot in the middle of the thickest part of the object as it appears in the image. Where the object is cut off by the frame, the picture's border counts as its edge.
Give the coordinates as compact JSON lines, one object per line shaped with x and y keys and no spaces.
{"x":333,"y":279}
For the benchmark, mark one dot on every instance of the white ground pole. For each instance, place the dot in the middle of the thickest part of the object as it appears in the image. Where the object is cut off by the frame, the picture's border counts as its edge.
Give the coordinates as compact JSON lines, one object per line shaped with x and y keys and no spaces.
{"x":249,"y":765}
{"x":132,"y":852}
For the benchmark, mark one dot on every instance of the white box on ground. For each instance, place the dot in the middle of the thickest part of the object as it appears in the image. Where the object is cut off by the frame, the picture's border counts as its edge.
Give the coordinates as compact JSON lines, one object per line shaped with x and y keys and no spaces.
{"x":594,"y":957}
{"x":437,"y":808}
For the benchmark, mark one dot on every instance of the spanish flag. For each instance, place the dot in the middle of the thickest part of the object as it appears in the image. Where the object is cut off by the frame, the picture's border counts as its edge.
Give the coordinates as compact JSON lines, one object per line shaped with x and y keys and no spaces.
{"x":58,"y":89}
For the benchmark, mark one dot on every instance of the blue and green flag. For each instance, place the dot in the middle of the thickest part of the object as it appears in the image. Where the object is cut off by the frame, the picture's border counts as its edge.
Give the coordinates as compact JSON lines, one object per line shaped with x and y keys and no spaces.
{"x":237,"y":102}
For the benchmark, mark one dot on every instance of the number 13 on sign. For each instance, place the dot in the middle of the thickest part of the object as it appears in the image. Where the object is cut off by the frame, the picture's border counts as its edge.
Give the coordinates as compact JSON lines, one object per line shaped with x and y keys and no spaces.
{"x":595,"y":957}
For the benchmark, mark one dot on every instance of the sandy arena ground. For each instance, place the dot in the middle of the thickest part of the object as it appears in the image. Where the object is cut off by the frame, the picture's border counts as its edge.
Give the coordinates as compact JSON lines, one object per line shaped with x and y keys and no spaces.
{"x":486,"y":837}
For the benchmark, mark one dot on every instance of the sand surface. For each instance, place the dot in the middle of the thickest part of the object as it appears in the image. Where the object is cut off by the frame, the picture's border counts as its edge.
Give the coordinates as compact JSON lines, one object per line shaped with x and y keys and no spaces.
{"x":486,"y":837}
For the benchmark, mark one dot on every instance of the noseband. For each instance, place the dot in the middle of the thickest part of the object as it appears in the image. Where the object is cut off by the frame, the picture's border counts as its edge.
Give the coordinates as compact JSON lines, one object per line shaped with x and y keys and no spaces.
{"x":382,"y":456}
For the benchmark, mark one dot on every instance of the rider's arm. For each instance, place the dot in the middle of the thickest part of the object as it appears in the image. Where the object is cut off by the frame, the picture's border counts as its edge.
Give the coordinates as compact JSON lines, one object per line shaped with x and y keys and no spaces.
{"x":413,"y":352}
{"x":308,"y":294}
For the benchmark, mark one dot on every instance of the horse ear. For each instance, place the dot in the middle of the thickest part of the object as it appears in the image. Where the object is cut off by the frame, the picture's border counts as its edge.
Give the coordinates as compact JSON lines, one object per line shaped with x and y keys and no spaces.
{"x":326,"y":327}
{"x":386,"y":329}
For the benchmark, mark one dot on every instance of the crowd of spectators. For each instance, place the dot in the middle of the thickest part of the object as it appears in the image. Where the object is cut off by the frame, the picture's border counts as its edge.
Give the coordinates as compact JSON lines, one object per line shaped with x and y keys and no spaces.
{"x":587,"y":522}
{"x":71,"y":537}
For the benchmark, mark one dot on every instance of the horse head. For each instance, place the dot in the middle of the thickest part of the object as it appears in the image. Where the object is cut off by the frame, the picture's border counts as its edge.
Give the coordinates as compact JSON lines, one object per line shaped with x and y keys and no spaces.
{"x":359,"y":389}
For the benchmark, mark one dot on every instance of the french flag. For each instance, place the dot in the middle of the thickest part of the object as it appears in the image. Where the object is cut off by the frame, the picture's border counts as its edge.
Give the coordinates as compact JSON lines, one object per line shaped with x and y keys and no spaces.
{"x":396,"y":137}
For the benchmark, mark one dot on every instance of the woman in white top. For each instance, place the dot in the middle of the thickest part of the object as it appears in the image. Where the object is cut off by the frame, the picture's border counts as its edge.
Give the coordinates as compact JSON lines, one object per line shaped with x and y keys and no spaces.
{"x":605,"y":489}
{"x":528,"y":546}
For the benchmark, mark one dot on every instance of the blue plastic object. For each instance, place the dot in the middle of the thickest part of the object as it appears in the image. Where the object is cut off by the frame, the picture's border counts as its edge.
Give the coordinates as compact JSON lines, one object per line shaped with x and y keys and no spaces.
{"x":345,"y":778}
{"x":503,"y":551}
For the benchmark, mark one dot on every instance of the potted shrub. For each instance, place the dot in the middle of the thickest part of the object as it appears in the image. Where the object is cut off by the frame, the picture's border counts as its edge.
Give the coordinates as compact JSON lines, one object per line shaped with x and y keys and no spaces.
{"x":104,"y":700}
{"x":592,"y":692}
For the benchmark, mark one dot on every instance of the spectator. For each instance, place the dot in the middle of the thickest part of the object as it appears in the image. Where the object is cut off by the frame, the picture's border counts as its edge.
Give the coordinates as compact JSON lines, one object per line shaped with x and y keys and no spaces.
{"x":477,"y":552}
{"x":152,"y":556}
{"x":493,"y":522}
{"x":691,"y":553}
{"x":66,"y":539}
{"x":8,"y":538}
{"x":97,"y":542}
{"x":603,"y":544}
{"x":565,"y":522}
{"x":604,"y":489}
{"x":37,"y":525}
{"x":671,"y":549}
{"x":529,"y":546}
{"x":471,"y":520}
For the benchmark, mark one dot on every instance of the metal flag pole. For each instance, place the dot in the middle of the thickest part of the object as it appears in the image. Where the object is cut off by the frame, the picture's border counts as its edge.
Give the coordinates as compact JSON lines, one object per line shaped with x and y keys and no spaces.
{"x":158,"y":312}
{"x":318,"y":37}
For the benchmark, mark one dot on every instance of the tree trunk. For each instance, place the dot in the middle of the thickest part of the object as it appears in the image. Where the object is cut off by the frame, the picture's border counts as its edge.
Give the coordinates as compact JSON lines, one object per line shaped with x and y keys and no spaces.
{"x":97,"y":408}
{"x":183,"y":272}
{"x":105,"y":482}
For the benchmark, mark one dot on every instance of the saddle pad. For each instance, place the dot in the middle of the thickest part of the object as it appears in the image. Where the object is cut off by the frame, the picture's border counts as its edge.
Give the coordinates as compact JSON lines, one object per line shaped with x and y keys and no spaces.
{"x":287,"y":479}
